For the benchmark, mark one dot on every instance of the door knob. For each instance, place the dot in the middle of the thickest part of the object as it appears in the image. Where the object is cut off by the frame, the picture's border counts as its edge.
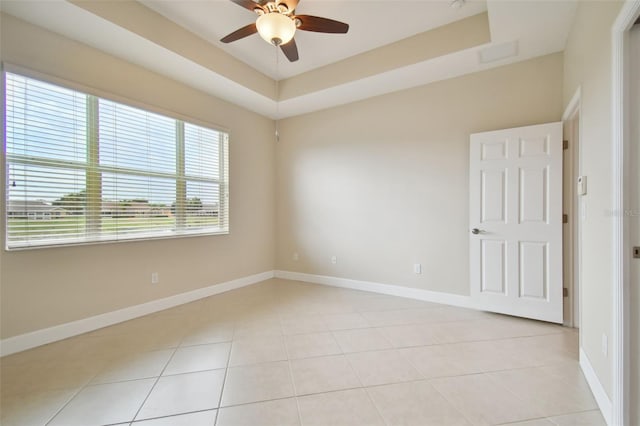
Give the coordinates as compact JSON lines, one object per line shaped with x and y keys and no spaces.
{"x":476,"y":231}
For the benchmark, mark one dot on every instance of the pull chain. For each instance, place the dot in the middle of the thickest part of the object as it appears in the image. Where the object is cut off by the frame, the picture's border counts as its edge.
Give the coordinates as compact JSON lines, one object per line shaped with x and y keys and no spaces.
{"x":277,"y":96}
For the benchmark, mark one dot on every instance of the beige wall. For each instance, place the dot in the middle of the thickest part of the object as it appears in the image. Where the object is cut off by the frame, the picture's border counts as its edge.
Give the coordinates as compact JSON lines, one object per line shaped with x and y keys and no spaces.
{"x":588,"y":66}
{"x":45,"y":287}
{"x":383,"y":183}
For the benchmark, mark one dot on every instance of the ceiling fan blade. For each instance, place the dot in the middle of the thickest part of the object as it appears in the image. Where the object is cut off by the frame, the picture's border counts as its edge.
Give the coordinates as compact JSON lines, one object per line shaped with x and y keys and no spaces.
{"x":249,"y":4}
{"x":321,"y":25}
{"x":290,"y":50}
{"x":241,"y":33}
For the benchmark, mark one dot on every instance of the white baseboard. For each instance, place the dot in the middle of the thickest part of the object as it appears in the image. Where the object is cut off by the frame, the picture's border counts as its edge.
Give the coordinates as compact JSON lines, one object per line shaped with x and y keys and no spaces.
{"x":42,"y":337}
{"x":392,"y":290}
{"x":604,"y":403}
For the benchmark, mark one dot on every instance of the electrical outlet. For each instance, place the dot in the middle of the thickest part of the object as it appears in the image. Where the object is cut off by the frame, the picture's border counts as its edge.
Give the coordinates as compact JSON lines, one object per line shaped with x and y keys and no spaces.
{"x":334,"y":259}
{"x":155,"y":278}
{"x":295,"y":257}
{"x":417,"y":268}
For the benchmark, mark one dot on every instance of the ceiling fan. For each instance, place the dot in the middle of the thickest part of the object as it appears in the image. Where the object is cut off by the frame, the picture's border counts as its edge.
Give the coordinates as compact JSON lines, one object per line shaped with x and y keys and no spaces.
{"x":277,"y":24}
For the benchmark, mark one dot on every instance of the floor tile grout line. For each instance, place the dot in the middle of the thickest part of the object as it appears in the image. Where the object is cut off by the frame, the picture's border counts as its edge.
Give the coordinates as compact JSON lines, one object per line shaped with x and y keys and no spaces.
{"x":72,"y":397}
{"x":354,"y":371}
{"x":89,"y":384}
{"x":560,"y":377}
{"x":295,"y":390}
{"x":422,"y":379}
{"x":379,"y":327}
{"x":526,"y":420}
{"x":370,"y":398}
{"x":364,"y":388}
{"x":204,"y":344}
{"x":315,"y":394}
{"x":134,"y":422}
{"x":399,"y":348}
{"x":361,"y":386}
{"x":224,"y":379}
{"x":65,"y":404}
{"x":371,"y":350}
{"x":459,"y":411}
{"x":320,"y":393}
{"x":406,"y":358}
{"x":513,"y":392}
{"x":550,"y":418}
{"x":333,"y":334}
{"x":508,"y":388}
{"x":157,"y":380}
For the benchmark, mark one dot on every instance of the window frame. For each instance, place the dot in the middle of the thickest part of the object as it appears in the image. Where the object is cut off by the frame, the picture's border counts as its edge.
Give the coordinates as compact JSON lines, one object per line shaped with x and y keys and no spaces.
{"x":180,"y":230}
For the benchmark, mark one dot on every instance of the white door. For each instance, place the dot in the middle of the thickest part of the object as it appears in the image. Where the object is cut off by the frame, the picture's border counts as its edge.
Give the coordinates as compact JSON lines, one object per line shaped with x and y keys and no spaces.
{"x":516,"y":221}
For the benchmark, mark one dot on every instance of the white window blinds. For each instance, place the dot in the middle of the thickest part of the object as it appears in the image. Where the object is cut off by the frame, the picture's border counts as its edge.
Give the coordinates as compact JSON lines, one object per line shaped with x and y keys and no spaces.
{"x":83,"y":169}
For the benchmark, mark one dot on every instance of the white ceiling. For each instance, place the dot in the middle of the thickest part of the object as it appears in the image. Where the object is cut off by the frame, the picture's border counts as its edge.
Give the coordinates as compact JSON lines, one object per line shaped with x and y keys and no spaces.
{"x":527,"y":28}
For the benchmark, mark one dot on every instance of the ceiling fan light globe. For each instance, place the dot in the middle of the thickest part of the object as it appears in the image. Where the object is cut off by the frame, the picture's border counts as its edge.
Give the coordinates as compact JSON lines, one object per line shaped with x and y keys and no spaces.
{"x":276,"y":28}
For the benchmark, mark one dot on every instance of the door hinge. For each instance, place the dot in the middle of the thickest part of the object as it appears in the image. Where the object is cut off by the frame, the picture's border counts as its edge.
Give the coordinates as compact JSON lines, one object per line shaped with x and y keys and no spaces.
{"x":565,"y":292}
{"x":565,"y":144}
{"x":565,"y":218}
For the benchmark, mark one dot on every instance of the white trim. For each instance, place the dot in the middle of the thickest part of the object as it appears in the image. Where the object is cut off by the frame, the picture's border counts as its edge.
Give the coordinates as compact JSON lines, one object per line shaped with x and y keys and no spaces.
{"x":47,"y":335}
{"x":573,"y":105}
{"x":600,"y":395}
{"x":621,"y":188}
{"x":392,"y":290}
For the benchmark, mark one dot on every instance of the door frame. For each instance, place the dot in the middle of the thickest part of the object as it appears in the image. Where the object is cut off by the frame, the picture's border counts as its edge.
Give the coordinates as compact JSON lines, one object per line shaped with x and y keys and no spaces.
{"x":574,"y":261}
{"x":621,"y":125}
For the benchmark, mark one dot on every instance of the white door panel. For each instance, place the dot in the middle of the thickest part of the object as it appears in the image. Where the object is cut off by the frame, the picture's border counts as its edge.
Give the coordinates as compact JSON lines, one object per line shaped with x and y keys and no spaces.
{"x":516,"y":218}
{"x":494,"y":195}
{"x":493,"y":266}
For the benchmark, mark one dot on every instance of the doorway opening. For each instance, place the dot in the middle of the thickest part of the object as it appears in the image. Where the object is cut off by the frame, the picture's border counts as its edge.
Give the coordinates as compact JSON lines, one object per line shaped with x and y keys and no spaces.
{"x":624,"y":386}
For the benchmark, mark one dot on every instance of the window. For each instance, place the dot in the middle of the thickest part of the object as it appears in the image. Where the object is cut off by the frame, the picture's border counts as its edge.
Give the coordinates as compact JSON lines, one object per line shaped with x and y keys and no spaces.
{"x":84,"y":169}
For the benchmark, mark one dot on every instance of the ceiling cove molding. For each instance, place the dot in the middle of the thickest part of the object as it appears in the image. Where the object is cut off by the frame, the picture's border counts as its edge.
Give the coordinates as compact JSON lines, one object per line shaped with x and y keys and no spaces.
{"x":150,"y":25}
{"x":454,"y":37}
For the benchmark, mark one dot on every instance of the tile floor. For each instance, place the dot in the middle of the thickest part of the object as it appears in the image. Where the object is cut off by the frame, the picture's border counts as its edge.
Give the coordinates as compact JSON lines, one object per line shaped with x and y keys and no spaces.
{"x":290,"y":353}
